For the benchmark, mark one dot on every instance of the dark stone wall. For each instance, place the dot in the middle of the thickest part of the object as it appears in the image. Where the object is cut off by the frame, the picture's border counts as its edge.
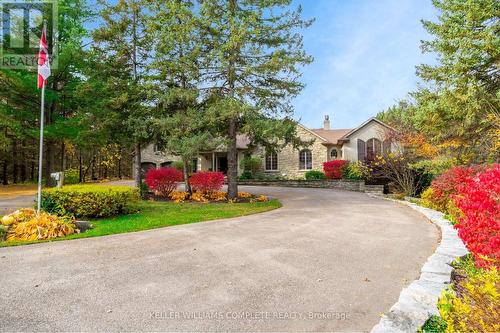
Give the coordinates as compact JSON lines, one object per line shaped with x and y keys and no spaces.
{"x":347,"y":185}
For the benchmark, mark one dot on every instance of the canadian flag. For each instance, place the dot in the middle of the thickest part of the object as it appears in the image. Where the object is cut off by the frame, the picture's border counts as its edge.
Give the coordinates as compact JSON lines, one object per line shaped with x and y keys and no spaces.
{"x":43,"y":60}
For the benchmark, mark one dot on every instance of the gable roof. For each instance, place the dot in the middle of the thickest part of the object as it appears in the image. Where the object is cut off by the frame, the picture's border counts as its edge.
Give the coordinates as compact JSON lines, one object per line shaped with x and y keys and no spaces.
{"x":347,"y":135}
{"x":331,"y":136}
{"x":312,"y":132}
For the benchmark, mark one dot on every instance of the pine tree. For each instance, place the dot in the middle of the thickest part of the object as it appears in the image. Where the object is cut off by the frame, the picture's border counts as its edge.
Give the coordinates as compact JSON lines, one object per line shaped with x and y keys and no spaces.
{"x":122,"y":45}
{"x":460,"y":107}
{"x":180,"y":122}
{"x":250,"y":64}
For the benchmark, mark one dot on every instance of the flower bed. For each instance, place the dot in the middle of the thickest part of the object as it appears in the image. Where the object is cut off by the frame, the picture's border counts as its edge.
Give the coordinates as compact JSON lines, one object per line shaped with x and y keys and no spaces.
{"x":213,"y":196}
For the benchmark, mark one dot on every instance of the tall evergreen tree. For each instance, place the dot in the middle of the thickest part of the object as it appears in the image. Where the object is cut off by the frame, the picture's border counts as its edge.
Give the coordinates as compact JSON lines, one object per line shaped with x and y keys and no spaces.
{"x":21,"y":99}
{"x":461,"y":104}
{"x":250,"y":65}
{"x":180,"y":124}
{"x":122,"y":46}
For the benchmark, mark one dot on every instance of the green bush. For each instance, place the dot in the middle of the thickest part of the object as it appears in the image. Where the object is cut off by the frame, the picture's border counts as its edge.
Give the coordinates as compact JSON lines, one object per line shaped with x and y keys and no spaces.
{"x":71,"y":176}
{"x":91,"y":200}
{"x":314,"y":175}
{"x":251,"y":164}
{"x":355,"y":171}
{"x":52,"y":206}
{"x":179,"y":165}
{"x":143,"y":190}
{"x":247,"y":174}
{"x":434,"y":324}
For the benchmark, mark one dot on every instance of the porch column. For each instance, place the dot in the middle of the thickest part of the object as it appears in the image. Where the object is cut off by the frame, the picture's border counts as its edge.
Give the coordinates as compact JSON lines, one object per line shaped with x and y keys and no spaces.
{"x":213,"y":162}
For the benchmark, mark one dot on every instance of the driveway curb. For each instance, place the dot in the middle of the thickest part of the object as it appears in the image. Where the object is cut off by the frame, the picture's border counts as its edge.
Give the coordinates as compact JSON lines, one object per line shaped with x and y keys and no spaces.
{"x":418,"y":301}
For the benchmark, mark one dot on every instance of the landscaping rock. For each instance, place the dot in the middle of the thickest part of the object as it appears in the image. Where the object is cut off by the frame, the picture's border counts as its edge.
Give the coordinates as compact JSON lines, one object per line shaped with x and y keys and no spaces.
{"x":83,"y":225}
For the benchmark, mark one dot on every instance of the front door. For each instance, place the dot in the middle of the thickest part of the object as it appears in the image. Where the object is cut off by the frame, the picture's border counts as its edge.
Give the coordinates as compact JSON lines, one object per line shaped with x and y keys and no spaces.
{"x":222,"y":164}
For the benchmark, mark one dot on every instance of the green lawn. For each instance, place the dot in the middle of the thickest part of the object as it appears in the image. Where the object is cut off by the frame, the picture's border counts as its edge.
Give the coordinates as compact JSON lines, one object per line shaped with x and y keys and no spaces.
{"x":152,"y":215}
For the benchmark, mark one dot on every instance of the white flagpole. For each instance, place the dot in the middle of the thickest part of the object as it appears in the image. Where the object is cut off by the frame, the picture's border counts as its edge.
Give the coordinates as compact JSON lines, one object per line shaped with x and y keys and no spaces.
{"x":40,"y":154}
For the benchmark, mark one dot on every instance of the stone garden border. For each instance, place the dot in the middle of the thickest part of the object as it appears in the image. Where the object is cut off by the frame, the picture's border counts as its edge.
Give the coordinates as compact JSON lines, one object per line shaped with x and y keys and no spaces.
{"x":339,"y":184}
{"x":418,"y":301}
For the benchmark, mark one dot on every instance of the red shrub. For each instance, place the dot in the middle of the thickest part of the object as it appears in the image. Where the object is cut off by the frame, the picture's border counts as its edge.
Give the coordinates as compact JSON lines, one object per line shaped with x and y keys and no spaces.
{"x":446,"y":186}
{"x":334,"y":169}
{"x":478,"y":199}
{"x":207,"y":182}
{"x":163,"y":180}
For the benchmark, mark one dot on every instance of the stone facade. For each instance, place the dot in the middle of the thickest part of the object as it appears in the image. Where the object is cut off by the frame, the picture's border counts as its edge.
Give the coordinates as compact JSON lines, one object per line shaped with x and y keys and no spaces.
{"x":323,"y":141}
{"x":288,"y":157}
{"x":150,"y":155}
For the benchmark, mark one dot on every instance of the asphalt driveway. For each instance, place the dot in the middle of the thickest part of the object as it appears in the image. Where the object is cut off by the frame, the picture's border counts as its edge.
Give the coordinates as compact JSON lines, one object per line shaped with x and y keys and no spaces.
{"x":326,"y":261}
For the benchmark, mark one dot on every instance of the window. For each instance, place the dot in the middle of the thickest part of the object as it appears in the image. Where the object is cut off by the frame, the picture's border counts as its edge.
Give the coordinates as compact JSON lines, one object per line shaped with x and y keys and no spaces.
{"x":373,"y":148}
{"x":271,"y":161}
{"x":305,"y":160}
{"x":387,"y":146}
{"x":195,"y":165}
{"x":334,"y":154}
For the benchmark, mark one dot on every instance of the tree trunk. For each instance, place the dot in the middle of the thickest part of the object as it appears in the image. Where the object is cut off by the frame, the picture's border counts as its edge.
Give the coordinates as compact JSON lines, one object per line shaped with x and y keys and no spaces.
{"x":15,"y":169}
{"x":63,"y":161}
{"x":23,"y":162}
{"x":232,"y":162}
{"x":5,"y":180}
{"x":50,"y":162}
{"x":185,"y":167}
{"x":32,"y":169}
{"x":120,"y":166}
{"x":80,"y":167}
{"x":92,"y":164}
{"x":138,"y":176}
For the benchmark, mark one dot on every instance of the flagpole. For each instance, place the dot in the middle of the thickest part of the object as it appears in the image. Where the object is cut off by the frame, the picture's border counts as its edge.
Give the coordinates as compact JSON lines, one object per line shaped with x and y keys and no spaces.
{"x":40,"y":154}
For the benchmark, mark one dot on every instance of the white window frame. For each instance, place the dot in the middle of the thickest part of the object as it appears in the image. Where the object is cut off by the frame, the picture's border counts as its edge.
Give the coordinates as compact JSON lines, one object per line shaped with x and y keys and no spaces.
{"x":272,"y":157}
{"x":305,"y":160}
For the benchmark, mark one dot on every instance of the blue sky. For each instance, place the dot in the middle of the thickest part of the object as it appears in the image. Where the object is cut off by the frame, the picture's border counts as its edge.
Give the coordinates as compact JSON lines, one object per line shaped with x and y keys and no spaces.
{"x":365,"y":56}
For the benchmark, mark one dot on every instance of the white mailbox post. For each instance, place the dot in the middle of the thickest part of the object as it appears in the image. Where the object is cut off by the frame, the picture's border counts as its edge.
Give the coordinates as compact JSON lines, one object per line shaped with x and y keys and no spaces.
{"x":58,"y":177}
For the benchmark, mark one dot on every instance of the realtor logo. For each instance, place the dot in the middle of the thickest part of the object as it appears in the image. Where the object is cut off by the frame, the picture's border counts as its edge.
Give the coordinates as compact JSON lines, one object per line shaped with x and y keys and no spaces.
{"x":21,"y":28}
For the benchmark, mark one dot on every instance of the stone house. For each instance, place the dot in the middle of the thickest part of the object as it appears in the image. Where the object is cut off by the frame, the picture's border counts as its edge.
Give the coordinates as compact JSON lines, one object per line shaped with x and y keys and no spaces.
{"x":362,"y":143}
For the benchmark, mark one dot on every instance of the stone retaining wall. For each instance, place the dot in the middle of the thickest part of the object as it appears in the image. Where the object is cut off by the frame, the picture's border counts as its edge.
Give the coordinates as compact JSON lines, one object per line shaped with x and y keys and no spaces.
{"x":347,"y":185}
{"x":418,"y":301}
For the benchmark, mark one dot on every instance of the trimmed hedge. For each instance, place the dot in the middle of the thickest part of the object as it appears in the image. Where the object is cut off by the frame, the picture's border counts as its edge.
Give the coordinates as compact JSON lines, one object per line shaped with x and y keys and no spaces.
{"x":314,"y":174}
{"x":89,"y":200}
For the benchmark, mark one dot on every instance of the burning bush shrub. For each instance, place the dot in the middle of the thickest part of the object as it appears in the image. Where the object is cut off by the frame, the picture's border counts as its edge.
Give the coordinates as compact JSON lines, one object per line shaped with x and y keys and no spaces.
{"x":470,"y":195}
{"x":164,"y":180}
{"x":478,"y":217}
{"x":445,"y":186}
{"x":206,"y":182}
{"x":334,"y":169}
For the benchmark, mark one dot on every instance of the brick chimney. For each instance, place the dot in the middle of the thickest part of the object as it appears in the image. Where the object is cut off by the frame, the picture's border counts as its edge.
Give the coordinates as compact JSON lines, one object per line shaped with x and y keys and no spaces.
{"x":326,"y":122}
